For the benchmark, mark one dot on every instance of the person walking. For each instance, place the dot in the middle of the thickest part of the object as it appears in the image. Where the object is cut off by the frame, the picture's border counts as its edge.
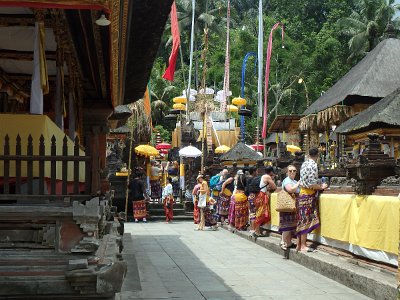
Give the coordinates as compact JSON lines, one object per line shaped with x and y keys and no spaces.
{"x":287,"y":220}
{"x":155,"y":185}
{"x":227,"y":187}
{"x":138,"y":196}
{"x":240,"y":209}
{"x":195,"y":197}
{"x":251,"y":195}
{"x":307,"y":201}
{"x":203,"y":195}
{"x":261,"y":202}
{"x":168,"y":201}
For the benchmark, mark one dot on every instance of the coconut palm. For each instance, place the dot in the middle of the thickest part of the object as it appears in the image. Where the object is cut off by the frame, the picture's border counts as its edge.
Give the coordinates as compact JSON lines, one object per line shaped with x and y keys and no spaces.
{"x":367,"y":26}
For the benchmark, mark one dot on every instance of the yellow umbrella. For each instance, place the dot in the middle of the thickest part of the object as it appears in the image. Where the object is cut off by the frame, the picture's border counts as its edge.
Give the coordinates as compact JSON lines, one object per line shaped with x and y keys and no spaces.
{"x":239,"y":101}
{"x":146,"y":150}
{"x":180,"y":99}
{"x":293,"y":148}
{"x":232,"y":108}
{"x":179,"y":106}
{"x":222,"y":149}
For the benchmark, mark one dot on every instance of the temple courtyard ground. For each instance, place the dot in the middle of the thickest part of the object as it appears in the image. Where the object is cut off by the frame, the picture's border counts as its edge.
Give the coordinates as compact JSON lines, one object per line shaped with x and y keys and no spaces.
{"x":173,"y":261}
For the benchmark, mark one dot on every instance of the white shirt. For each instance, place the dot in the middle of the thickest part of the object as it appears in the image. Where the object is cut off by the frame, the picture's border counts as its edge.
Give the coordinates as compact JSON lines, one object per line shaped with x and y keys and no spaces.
{"x":167,"y":191}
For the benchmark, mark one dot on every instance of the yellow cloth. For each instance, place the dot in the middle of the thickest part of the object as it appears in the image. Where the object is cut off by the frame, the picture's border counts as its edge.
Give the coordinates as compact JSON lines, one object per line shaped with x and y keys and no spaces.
{"x":367,"y":221}
{"x":227,"y":192}
{"x":35,"y":125}
{"x":240,"y":197}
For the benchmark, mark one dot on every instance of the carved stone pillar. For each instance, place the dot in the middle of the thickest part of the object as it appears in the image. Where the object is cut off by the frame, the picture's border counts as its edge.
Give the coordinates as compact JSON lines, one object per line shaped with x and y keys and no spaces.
{"x":95,"y":132}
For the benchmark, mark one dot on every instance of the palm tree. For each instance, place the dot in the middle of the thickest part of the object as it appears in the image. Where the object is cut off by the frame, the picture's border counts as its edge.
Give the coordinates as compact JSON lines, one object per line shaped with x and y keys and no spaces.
{"x":367,"y":26}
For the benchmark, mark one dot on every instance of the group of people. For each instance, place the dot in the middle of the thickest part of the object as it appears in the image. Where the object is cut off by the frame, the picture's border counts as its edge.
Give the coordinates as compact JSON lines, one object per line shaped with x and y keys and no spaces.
{"x":242,"y":201}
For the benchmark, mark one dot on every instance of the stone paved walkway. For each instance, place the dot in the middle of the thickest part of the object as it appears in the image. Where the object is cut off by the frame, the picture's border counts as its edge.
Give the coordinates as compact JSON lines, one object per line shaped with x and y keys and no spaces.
{"x":173,"y":261}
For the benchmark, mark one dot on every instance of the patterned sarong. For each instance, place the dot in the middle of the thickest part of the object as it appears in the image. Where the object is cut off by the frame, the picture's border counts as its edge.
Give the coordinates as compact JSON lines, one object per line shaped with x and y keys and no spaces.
{"x":168,"y":208}
{"x":307,"y":211}
{"x":223,"y":204}
{"x":241,"y":211}
{"x":287,"y":221}
{"x":261,"y":203}
{"x":208,"y":216}
{"x":155,"y":189}
{"x":139,"y":209}
{"x":196,"y":212}
{"x":252,"y":208}
{"x":231,"y":211}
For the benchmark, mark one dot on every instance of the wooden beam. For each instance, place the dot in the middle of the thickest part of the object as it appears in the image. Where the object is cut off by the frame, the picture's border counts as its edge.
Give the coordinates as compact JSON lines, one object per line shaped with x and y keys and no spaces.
{"x":24,"y":55}
{"x":7,"y":20}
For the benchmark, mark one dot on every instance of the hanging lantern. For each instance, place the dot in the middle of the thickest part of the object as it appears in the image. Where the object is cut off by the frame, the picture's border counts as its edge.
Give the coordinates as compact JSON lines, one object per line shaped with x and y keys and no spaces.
{"x":232,"y":108}
{"x":244,"y":112}
{"x":180,"y":99}
{"x":179,"y":106}
{"x":238,"y":101}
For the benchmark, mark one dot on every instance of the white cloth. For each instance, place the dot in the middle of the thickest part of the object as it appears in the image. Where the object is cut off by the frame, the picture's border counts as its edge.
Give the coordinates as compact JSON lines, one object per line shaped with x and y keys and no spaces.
{"x":202,"y":200}
{"x":167,"y":191}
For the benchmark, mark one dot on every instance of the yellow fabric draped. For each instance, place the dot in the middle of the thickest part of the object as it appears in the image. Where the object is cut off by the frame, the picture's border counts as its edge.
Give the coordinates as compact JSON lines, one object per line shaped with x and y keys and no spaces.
{"x":36,"y":125}
{"x":146,"y":102}
{"x":367,"y":221}
{"x":44,"y":78}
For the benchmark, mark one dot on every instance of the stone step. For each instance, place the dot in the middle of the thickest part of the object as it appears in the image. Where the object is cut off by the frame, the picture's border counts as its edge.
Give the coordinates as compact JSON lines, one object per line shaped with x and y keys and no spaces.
{"x":176,"y":218}
{"x":161,"y":212}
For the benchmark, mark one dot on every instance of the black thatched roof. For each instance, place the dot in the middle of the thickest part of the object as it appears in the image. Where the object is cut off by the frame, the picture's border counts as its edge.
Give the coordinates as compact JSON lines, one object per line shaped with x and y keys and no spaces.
{"x":375,"y":76}
{"x":240,"y":152}
{"x":383,"y":114}
{"x":122,"y":129}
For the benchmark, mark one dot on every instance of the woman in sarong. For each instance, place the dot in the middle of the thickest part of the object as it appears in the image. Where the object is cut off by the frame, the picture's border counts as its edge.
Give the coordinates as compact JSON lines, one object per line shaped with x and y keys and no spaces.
{"x":225,"y":198}
{"x":195,"y":197}
{"x":307,"y":201}
{"x":138,"y":196}
{"x":287,"y":220}
{"x":168,"y":201}
{"x":261,"y":202}
{"x":155,"y":182}
{"x":241,"y":205}
{"x":208,"y":214}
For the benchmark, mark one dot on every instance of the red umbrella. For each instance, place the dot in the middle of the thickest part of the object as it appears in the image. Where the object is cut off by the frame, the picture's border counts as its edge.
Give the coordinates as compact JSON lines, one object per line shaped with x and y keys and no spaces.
{"x":258,"y":147}
{"x":162,"y":146}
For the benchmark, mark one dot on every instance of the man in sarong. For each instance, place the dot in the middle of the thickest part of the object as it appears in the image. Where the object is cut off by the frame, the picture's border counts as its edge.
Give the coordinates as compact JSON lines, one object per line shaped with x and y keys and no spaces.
{"x":307,"y":201}
{"x":168,"y":201}
{"x":155,"y":181}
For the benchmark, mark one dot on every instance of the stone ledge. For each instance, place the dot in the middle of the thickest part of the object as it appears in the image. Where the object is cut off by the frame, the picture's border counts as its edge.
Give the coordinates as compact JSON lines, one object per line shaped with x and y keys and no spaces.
{"x":370,"y":282}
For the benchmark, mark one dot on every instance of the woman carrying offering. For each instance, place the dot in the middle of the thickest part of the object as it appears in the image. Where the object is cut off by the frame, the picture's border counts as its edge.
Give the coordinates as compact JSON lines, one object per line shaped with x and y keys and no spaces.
{"x":168,"y":201}
{"x":241,"y":205}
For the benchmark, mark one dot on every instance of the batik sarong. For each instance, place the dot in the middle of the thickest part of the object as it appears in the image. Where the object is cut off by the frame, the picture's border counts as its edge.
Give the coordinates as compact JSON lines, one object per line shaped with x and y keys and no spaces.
{"x":155,"y":189}
{"x":196,"y":212}
{"x":139,"y":209}
{"x":231,"y":211}
{"x":287,"y":221}
{"x":252,"y":208}
{"x":261,"y":203}
{"x":169,"y":208}
{"x":208,"y":216}
{"x":241,"y":211}
{"x":223,"y":204}
{"x":307,"y":211}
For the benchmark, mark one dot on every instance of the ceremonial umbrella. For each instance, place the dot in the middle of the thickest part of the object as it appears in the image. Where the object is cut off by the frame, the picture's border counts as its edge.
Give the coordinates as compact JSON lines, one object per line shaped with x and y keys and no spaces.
{"x":162,"y":146}
{"x":293,"y":148}
{"x":190,"y":151}
{"x":146,"y":150}
{"x":258,"y":147}
{"x":222,"y":149}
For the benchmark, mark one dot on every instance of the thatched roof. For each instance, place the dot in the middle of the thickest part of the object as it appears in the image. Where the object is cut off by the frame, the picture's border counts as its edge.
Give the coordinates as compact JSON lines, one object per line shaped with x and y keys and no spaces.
{"x":240,"y":152}
{"x":283,"y":122}
{"x":374,"y":77}
{"x":383,"y":114}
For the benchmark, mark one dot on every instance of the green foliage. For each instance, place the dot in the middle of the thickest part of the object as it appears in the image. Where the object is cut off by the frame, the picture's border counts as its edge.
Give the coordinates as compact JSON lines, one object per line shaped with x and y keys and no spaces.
{"x":316,"y":49}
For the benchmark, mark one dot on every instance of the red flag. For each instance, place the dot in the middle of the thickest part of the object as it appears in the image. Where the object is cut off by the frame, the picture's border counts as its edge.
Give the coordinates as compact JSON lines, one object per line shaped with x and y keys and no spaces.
{"x":267,"y":65}
{"x":169,"y":72}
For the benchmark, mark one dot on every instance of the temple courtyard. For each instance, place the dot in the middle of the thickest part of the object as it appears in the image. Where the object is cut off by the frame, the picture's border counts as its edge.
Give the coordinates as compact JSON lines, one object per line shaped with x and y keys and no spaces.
{"x":173,"y":261}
